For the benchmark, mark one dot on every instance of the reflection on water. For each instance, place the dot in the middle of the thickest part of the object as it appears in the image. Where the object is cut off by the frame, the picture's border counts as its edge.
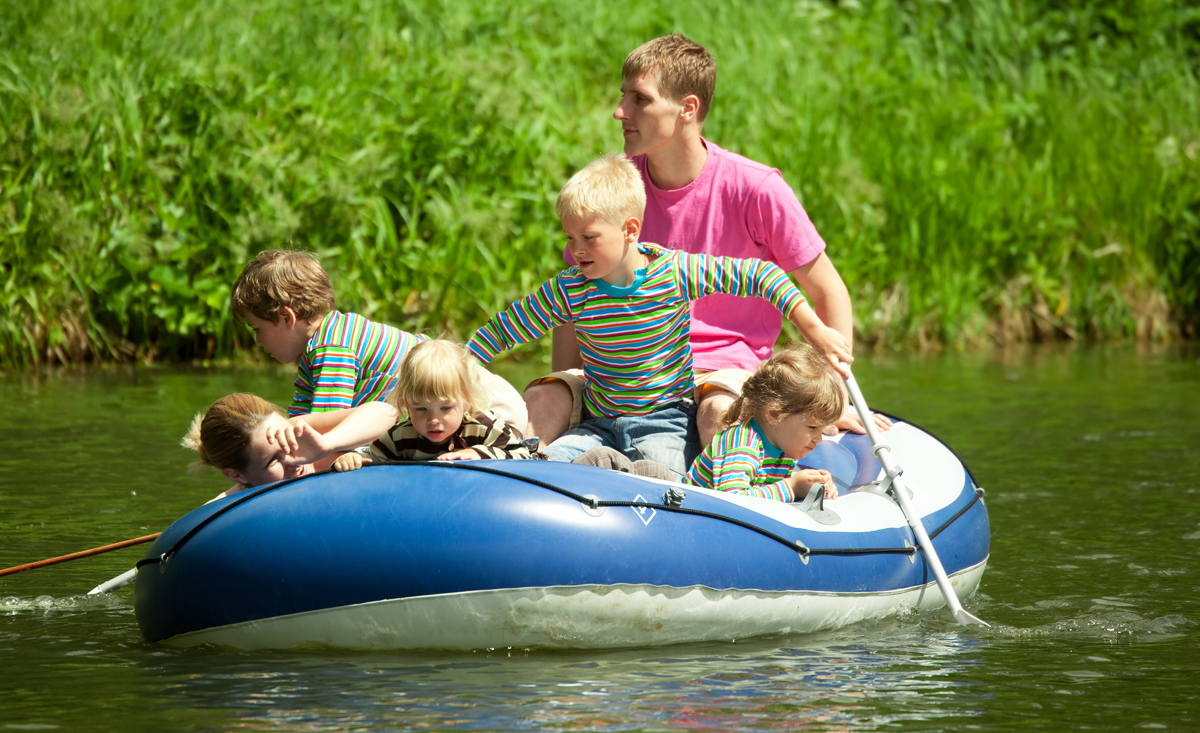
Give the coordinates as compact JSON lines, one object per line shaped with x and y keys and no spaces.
{"x":1092,"y":469}
{"x":828,"y":680}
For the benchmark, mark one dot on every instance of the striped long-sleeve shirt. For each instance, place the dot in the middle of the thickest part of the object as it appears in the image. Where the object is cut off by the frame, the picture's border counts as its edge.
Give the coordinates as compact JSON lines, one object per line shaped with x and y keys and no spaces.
{"x":634,"y":340}
{"x":486,"y":434}
{"x":349,"y":361}
{"x":742,"y":461}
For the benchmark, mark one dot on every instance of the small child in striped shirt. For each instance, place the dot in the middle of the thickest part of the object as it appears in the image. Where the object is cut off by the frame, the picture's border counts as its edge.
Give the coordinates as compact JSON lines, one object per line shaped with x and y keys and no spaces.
{"x":779,"y":419}
{"x":629,"y":302}
{"x":439,"y":386}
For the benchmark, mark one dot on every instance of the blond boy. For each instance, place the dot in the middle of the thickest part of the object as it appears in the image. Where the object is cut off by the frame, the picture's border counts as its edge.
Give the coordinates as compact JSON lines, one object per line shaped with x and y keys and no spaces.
{"x":629,"y":303}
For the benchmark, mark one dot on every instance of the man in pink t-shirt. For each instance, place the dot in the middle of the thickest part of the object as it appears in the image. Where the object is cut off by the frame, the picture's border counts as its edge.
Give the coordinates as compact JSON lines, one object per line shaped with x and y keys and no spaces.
{"x":703,"y":199}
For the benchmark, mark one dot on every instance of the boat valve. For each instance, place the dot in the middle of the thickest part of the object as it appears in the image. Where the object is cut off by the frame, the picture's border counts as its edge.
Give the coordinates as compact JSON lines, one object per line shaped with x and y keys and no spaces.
{"x":674,"y":496}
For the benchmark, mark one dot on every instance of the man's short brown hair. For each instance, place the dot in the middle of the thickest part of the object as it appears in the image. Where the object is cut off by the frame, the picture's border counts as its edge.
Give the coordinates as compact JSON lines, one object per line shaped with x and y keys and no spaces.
{"x":684,"y":67}
{"x":279,"y":278}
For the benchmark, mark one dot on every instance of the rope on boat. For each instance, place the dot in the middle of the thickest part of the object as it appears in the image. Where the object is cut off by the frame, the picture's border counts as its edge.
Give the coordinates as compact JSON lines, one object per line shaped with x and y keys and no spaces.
{"x":948,"y":522}
{"x":589,"y":501}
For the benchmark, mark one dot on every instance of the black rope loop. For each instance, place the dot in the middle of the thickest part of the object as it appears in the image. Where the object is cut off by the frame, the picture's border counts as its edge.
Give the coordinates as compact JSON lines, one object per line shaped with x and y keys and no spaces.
{"x":948,"y":522}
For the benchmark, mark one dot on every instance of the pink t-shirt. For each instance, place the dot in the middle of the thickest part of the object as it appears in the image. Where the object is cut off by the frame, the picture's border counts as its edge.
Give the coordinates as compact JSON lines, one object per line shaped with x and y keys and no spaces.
{"x":735,"y":208}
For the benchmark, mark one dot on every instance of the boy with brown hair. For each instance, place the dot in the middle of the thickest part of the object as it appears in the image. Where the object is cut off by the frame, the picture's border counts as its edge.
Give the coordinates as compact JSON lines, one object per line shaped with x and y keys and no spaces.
{"x":703,"y":199}
{"x":344,"y":359}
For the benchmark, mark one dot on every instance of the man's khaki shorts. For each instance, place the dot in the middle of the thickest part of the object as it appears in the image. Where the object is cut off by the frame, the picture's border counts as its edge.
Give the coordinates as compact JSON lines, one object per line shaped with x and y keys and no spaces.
{"x":727,"y":380}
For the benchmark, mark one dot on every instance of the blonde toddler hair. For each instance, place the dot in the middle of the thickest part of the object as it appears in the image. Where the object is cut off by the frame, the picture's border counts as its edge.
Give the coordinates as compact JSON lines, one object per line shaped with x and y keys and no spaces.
{"x":684,"y":67}
{"x":443,"y":370}
{"x":279,"y":278}
{"x":222,"y":433}
{"x":794,"y":381}
{"x":609,"y":187}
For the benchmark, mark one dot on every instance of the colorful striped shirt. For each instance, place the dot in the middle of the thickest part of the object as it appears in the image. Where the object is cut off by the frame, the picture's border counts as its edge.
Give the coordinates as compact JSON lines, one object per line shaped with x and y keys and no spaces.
{"x":486,"y":434}
{"x":741,"y":460}
{"x":347,"y":362}
{"x":634,"y":340}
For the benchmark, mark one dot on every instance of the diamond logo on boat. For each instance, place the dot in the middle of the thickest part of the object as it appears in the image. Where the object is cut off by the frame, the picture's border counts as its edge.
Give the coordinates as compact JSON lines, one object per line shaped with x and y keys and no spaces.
{"x":645,"y":513}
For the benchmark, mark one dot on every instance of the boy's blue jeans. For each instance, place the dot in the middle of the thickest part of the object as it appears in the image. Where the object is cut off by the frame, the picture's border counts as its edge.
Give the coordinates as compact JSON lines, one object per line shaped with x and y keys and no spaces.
{"x":667,"y":435}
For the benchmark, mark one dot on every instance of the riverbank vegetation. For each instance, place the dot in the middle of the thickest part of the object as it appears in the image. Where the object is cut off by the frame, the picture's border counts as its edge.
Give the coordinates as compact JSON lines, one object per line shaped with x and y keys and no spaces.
{"x":983,"y":172}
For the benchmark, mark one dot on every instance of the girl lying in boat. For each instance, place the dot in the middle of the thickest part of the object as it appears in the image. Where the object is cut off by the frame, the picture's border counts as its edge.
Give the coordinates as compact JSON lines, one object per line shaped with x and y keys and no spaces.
{"x":250,"y":441}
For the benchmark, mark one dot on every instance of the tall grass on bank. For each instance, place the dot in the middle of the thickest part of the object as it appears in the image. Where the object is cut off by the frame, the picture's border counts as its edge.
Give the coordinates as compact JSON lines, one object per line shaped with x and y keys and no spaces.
{"x":987,"y":171}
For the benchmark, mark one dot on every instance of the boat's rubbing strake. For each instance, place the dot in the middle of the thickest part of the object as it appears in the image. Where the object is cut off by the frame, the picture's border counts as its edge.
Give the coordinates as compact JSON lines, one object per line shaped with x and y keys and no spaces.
{"x":610,"y":616}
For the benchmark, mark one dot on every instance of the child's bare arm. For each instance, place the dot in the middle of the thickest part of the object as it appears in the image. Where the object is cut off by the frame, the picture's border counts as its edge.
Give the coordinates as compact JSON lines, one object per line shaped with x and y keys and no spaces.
{"x":302,"y":442}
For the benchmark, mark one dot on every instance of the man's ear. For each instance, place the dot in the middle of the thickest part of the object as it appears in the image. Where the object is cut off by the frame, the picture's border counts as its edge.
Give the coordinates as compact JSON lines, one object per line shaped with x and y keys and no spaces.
{"x":631,"y":229}
{"x":691,"y":108}
{"x":234,"y":476}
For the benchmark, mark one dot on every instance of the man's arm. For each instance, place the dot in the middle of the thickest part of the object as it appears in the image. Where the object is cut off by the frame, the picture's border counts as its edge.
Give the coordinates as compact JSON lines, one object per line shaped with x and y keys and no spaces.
{"x":828,"y":295}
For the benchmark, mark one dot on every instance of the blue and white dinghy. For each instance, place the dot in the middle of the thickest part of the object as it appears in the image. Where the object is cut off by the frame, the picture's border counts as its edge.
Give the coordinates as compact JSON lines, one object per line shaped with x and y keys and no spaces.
{"x":536,"y":554}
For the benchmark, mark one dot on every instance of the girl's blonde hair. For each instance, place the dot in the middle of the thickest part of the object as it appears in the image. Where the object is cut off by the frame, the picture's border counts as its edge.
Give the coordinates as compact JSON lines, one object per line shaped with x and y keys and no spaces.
{"x":793,"y":381}
{"x":443,"y":370}
{"x":222,"y":433}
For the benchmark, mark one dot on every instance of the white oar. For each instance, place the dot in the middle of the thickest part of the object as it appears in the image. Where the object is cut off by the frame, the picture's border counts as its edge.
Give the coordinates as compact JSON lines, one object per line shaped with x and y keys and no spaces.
{"x":120,"y":581}
{"x":883,"y":452}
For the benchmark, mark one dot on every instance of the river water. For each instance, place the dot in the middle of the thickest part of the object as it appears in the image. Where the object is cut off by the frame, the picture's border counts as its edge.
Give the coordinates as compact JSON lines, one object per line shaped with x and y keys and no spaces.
{"x":1090,"y":458}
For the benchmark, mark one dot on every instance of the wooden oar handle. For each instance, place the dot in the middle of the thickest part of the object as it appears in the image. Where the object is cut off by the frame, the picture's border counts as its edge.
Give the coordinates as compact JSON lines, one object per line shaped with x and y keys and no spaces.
{"x":82,"y":553}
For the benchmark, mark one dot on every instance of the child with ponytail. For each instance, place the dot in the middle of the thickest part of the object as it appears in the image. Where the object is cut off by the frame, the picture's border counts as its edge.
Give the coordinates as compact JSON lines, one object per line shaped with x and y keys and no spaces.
{"x":779,"y":418}
{"x":248,"y":439}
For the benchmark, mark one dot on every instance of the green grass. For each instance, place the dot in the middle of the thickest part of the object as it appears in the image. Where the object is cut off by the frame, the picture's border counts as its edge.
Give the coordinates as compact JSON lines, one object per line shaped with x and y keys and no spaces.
{"x":983,"y":172}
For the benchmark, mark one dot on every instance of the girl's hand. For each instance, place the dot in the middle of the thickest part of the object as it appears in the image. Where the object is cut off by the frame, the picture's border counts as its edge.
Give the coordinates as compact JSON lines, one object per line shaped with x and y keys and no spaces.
{"x":350,"y":462}
{"x":804,"y":479}
{"x":466,"y":454}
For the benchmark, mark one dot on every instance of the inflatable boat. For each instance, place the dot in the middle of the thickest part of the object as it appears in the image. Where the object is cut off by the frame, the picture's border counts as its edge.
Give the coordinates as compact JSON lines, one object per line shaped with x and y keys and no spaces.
{"x":494,"y":554}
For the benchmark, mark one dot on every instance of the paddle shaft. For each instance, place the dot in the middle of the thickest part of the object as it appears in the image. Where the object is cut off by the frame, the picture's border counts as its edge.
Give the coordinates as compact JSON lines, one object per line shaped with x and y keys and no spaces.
{"x":883,"y":452}
{"x":120,"y":581}
{"x":77,"y":555}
